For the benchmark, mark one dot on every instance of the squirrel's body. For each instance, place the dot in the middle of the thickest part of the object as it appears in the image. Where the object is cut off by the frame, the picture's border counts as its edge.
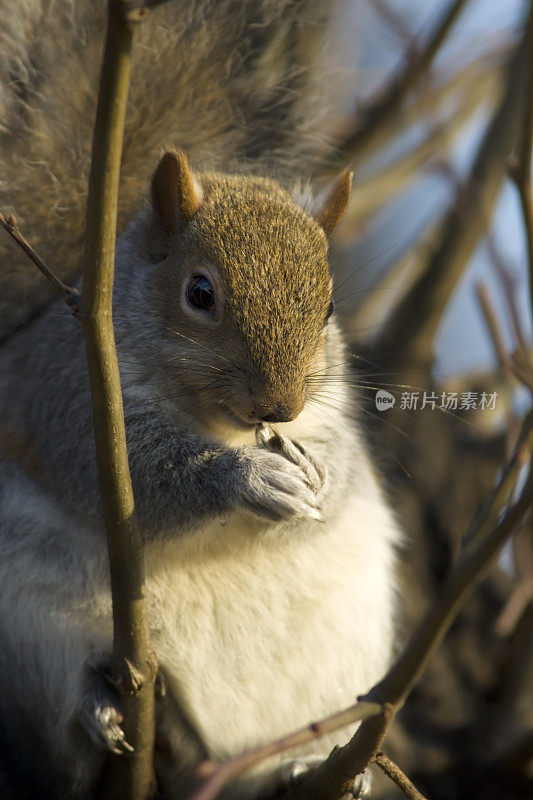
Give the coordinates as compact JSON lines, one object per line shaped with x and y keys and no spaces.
{"x":269,"y":561}
{"x":259,"y":628}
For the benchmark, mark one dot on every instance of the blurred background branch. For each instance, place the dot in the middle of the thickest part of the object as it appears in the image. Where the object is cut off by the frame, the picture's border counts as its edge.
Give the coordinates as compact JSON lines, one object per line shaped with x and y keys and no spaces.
{"x":432,"y":284}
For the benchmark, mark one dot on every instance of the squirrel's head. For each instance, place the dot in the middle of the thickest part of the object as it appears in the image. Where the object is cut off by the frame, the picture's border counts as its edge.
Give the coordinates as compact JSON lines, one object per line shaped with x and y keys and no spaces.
{"x":243,"y":289}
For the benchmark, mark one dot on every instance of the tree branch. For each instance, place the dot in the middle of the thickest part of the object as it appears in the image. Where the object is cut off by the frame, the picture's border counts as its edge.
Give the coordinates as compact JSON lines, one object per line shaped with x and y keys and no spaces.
{"x":521,"y":165}
{"x":218,"y":775}
{"x":70,"y":294}
{"x":400,"y":778}
{"x":408,"y":336}
{"x":494,"y":328}
{"x":502,"y":272}
{"x":132,"y":668}
{"x":379,"y":114}
{"x":372,"y":193}
{"x":329,"y":780}
{"x":518,"y":365}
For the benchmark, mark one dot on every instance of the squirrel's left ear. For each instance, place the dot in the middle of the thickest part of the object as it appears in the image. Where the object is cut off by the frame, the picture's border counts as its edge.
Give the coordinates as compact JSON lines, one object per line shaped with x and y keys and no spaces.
{"x":330,"y":207}
{"x":176,"y":194}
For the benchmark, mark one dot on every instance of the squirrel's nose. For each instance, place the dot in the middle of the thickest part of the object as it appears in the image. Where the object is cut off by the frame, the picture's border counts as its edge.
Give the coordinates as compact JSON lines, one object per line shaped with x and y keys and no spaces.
{"x":279,"y":415}
{"x":278,"y":412}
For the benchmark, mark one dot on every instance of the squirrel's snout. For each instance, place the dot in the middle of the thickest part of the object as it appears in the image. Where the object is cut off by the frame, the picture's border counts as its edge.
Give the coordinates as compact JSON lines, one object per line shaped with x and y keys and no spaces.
{"x":278,"y":411}
{"x":279,"y":415}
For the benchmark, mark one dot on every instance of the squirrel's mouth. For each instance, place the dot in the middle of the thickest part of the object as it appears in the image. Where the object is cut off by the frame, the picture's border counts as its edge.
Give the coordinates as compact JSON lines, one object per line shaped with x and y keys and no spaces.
{"x":237,"y":421}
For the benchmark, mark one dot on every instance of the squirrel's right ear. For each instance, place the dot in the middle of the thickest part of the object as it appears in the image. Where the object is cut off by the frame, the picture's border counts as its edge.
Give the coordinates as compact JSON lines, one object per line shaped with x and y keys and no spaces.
{"x":176,"y":194}
{"x":331,"y":206}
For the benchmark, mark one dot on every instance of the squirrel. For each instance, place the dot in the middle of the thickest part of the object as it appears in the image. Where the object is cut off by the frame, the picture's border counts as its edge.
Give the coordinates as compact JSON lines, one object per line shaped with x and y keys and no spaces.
{"x":269,"y":545}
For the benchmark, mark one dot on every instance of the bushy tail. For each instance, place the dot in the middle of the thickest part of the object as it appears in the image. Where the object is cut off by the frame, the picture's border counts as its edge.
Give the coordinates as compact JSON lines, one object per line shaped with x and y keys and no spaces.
{"x":235,"y":82}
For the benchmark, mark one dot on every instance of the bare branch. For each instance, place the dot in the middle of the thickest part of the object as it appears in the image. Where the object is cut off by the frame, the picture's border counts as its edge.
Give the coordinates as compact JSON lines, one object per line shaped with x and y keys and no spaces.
{"x":502,"y":271}
{"x":523,"y":368}
{"x":380,"y":113}
{"x":521,"y":165}
{"x":372,"y":193}
{"x":70,"y":294}
{"x":409,"y":333}
{"x":493,"y":327}
{"x":400,"y":779}
{"x":132,"y":668}
{"x":218,"y":775}
{"x":393,"y":18}
{"x":329,"y":780}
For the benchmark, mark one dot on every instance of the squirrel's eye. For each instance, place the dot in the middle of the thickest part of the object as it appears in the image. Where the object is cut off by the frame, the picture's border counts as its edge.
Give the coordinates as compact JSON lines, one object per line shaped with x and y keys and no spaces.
{"x":331,"y":309}
{"x":200,"y":293}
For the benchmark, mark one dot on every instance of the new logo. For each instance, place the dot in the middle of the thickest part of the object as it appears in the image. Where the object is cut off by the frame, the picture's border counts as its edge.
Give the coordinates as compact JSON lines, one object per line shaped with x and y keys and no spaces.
{"x":384,"y":400}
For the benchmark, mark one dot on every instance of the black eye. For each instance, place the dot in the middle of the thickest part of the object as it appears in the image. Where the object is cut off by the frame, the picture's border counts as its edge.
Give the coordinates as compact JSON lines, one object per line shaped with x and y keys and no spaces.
{"x":200,"y":293}
{"x":331,"y":308}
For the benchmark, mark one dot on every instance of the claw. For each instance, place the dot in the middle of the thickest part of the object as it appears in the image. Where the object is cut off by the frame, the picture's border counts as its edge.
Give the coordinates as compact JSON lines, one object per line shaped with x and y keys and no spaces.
{"x":296,"y":453}
{"x":160,"y":686}
{"x":100,"y":711}
{"x":106,"y":725}
{"x":362,"y":786}
{"x":119,"y":744}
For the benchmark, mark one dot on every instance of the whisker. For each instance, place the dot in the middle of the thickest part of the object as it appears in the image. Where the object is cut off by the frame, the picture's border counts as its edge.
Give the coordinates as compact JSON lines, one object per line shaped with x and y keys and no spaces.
{"x":331,"y":366}
{"x":373,"y":435}
{"x":199,"y":344}
{"x":182,"y":393}
{"x":332,"y":428}
{"x":363,"y":291}
{"x":363,"y":266}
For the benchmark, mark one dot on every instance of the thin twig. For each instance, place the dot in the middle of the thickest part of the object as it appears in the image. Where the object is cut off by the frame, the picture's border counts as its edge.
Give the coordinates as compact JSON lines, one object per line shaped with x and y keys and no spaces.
{"x":400,"y":778}
{"x":394,"y":19}
{"x":382,"y":186}
{"x":502,"y":270}
{"x":70,"y":294}
{"x":218,"y":775}
{"x":523,"y":368}
{"x":494,"y":328}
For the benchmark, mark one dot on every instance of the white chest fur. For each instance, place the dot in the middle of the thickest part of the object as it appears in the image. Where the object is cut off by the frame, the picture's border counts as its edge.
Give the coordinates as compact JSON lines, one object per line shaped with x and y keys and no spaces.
{"x":262,"y":636}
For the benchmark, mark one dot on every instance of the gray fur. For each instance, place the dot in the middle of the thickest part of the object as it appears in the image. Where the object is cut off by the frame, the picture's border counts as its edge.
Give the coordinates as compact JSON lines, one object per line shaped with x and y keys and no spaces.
{"x":215,"y":76}
{"x":269,"y":562}
{"x":202,"y":497}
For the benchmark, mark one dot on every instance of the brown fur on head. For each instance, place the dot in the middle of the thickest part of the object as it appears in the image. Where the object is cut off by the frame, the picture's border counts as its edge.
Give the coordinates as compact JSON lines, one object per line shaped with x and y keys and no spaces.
{"x":266,"y":260}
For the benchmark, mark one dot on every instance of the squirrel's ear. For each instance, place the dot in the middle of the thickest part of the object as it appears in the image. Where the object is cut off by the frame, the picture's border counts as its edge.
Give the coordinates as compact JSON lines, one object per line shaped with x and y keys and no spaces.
{"x":332,"y":205}
{"x":176,"y":195}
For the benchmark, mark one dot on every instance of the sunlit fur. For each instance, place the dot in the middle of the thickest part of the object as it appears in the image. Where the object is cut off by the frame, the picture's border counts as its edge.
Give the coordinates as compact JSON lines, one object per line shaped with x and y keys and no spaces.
{"x":260,"y":627}
{"x":270,"y":259}
{"x":237,"y":84}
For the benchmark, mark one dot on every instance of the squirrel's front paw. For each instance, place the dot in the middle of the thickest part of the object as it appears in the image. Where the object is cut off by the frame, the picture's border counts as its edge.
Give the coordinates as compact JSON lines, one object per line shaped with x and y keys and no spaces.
{"x":282,"y":481}
{"x":314,"y":471}
{"x":100,"y":712}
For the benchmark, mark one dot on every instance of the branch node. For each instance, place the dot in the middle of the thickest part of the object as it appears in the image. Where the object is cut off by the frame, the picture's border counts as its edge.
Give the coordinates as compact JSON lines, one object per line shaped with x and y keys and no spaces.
{"x":125,"y":677}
